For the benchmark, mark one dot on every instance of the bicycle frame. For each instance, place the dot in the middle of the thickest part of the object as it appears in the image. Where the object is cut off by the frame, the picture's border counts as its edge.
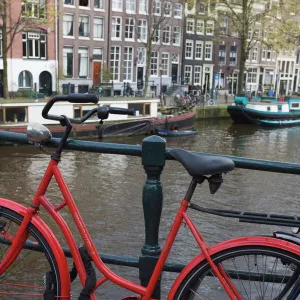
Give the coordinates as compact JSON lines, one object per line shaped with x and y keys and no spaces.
{"x":181,"y":217}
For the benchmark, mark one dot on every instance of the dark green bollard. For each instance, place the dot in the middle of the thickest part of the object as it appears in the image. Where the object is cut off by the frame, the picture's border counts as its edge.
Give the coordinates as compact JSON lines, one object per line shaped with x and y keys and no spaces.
{"x":153,"y":160}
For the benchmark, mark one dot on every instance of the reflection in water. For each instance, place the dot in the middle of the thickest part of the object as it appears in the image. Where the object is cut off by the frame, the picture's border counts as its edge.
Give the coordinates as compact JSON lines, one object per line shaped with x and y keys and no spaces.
{"x":108,"y":189}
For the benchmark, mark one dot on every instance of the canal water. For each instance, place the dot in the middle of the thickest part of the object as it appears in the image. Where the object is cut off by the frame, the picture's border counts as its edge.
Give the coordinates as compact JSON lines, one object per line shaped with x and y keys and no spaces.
{"x":108,"y":191}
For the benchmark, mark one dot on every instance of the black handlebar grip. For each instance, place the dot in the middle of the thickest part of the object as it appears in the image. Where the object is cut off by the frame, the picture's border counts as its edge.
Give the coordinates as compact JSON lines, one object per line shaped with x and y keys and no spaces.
{"x":82,"y":98}
{"x":122,"y":111}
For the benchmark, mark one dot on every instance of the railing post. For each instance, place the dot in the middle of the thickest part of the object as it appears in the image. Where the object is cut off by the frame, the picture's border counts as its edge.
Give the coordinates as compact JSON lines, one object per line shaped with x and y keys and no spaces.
{"x":153,"y":160}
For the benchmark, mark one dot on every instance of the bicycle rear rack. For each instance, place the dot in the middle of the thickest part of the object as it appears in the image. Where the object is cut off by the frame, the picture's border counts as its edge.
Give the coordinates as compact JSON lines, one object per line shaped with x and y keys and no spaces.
{"x":250,"y":217}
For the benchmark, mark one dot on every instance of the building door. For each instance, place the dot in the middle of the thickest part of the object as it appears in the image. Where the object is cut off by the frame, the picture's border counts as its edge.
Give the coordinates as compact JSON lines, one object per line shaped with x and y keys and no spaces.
{"x":1,"y":83}
{"x":96,"y":72}
{"x":174,"y":73}
{"x":140,"y":78}
{"x":46,"y":83}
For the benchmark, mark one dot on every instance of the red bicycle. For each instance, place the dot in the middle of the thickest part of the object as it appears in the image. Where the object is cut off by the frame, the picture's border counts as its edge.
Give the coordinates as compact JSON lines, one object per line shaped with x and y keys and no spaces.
{"x":33,"y":263}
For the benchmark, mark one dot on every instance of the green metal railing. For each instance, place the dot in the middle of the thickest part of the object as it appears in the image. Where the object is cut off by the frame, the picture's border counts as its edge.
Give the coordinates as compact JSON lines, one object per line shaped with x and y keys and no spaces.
{"x":154,"y":155}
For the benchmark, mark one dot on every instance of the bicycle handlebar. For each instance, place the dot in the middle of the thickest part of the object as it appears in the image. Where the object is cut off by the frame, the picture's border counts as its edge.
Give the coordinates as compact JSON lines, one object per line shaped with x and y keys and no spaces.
{"x":102,"y":111}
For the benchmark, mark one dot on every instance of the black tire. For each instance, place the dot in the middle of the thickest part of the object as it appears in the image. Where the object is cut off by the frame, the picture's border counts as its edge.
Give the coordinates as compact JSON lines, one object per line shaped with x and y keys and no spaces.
{"x":272,"y":279}
{"x":27,"y":276}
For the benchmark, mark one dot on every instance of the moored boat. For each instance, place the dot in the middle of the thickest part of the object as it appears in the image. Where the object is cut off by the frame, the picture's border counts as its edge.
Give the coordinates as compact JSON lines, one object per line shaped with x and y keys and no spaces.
{"x":274,"y":113}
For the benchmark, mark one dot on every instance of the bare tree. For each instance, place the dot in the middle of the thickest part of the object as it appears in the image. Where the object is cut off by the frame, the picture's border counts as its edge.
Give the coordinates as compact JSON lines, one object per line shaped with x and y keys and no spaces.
{"x":15,"y":15}
{"x":158,"y":15}
{"x":253,"y":21}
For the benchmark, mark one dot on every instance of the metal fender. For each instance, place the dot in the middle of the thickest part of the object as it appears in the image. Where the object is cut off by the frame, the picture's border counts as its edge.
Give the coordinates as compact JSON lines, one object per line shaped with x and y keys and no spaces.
{"x":233,"y":243}
{"x":51,"y":239}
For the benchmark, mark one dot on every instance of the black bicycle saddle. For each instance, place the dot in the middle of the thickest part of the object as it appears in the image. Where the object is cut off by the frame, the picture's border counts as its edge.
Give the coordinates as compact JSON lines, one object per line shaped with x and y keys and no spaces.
{"x":197,"y":165}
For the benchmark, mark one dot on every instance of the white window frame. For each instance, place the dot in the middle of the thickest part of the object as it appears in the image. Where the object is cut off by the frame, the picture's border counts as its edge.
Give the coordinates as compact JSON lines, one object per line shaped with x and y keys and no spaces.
{"x":68,"y":49}
{"x":117,"y":5}
{"x":223,"y":52}
{"x":177,"y":11}
{"x":189,"y":49}
{"x":254,"y":54}
{"x":154,"y":63}
{"x":115,"y":57}
{"x":30,"y":38}
{"x":167,"y":9}
{"x":84,"y":52}
{"x":98,"y":52}
{"x":209,"y":28}
{"x":199,"y":46}
{"x":166,"y":35}
{"x":230,"y":56}
{"x":68,"y":18}
{"x":142,"y":30}
{"x":143,"y":7}
{"x":130,"y":6}
{"x":252,"y":75}
{"x":188,"y":69}
{"x":34,"y":9}
{"x":156,"y":37}
{"x":197,"y":75}
{"x":210,"y":44}
{"x":86,"y":26}
{"x":176,"y":35}
{"x":24,"y":81}
{"x":129,"y":29}
{"x":116,"y":28}
{"x":200,"y":27}
{"x":128,"y":64}
{"x":156,"y":7}
{"x":99,"y":28}
{"x":190,"y":26}
{"x":69,"y":4}
{"x":100,"y":6}
{"x":165,"y":60}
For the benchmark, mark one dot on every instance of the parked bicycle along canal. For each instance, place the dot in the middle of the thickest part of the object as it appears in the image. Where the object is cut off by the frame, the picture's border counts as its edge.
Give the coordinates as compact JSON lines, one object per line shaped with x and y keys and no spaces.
{"x":108,"y":190}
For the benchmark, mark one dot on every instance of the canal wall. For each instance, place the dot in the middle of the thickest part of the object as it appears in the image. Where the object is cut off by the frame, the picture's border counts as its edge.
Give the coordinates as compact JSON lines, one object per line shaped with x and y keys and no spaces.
{"x":209,"y":112}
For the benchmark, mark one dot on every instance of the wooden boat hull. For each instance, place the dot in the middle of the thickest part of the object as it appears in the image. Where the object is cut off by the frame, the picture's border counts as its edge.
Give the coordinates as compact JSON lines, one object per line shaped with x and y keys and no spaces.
{"x":169,"y":133}
{"x":243,"y":115}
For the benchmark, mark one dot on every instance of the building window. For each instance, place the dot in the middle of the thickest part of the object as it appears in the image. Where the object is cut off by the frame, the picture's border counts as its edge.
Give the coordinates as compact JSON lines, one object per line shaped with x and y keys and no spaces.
{"x":178,"y":10}
{"x":197,"y":75}
{"x":254,"y":54}
{"x":34,"y":45}
{"x":209,"y":28}
{"x":117,"y":5}
{"x":223,"y":25}
{"x":128,"y":57}
{"x":69,"y":2}
{"x":142,"y":30}
{"x":222,"y":55}
{"x":98,"y":28}
{"x":143,"y":6}
{"x":176,"y":36}
{"x":68,"y":25}
{"x":83,"y":62}
{"x":200,"y":27}
{"x":156,"y":7}
{"x":188,"y":74}
{"x":156,"y":35}
{"x":165,"y":64}
{"x":167,"y":9}
{"x":154,"y":64}
{"x":68,"y":61}
{"x":116,"y":28}
{"x":130,"y":6}
{"x":115,"y":62}
{"x":190,"y":25}
{"x":232,"y":56}
{"x":166,"y":35}
{"x":141,"y":56}
{"x":25,"y":80}
{"x":129,"y":29}
{"x":189,"y":49}
{"x":84,"y":26}
{"x":208,"y":51}
{"x":34,"y":9}
{"x":251,"y":78}
{"x":99,"y":4}
{"x":199,"y":50}
{"x":1,"y":47}
{"x":97,"y":53}
{"x":84,"y":3}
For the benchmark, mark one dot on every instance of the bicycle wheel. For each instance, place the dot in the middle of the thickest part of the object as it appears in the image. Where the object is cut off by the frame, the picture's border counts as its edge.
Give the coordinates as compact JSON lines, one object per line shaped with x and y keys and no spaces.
{"x":257,"y":272}
{"x":211,"y":102}
{"x":28,"y":276}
